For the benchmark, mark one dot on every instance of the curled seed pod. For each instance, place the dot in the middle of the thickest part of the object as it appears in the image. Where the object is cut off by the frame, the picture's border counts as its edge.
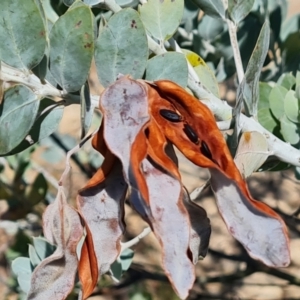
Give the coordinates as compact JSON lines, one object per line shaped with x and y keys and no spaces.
{"x":170,"y":115}
{"x":205,"y":150}
{"x":191,"y":134}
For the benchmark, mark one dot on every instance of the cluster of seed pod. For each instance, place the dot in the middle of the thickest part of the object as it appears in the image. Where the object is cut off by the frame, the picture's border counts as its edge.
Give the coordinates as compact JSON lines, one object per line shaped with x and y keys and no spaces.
{"x":172,"y":116}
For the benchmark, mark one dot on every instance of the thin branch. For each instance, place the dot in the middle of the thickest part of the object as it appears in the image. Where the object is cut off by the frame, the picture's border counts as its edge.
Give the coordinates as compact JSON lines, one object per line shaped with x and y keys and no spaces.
{"x":232,"y":29}
{"x":57,"y":140}
{"x":10,"y":74}
{"x":110,"y":273}
{"x":137,"y":273}
{"x":220,"y":108}
{"x":185,"y":35}
{"x":3,"y":161}
{"x":280,"y":274}
{"x":224,"y":125}
{"x":155,"y":47}
{"x":70,"y":153}
{"x":112,"y":5}
{"x":135,"y":240}
{"x":282,"y":150}
{"x":226,"y":278}
{"x":197,"y":192}
{"x":256,"y":266}
{"x":240,"y":258}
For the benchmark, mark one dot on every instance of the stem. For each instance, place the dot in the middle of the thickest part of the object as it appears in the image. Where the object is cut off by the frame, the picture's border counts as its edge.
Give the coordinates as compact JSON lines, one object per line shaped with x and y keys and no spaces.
{"x":154,"y":47}
{"x":10,"y":74}
{"x":276,"y":145}
{"x":197,"y":192}
{"x":70,"y":153}
{"x":224,"y":125}
{"x":112,"y":5}
{"x":184,"y":34}
{"x":135,"y":240}
{"x":220,"y":108}
{"x":232,"y":29}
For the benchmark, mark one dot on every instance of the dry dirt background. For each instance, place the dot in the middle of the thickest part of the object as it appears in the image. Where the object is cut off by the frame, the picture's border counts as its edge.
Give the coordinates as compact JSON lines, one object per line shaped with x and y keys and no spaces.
{"x":219,"y":277}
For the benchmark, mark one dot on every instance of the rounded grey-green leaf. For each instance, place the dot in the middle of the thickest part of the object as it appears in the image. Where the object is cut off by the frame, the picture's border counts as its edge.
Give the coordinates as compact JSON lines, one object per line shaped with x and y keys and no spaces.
{"x":72,"y":47}
{"x":42,"y":12}
{"x":210,"y":28}
{"x":22,"y":267}
{"x":290,"y":26}
{"x":297,"y":173}
{"x":287,"y":80}
{"x":276,"y":98}
{"x":92,"y":2}
{"x":266,"y":119}
{"x":121,"y":47}
{"x":126,"y":258}
{"x":171,"y":66}
{"x":161,"y":18}
{"x":34,"y":259}
{"x":68,"y":2}
{"x":47,"y":121}
{"x":204,"y":72}
{"x":88,"y":2}
{"x":289,"y":131}
{"x":37,"y":191}
{"x":213,"y":8}
{"x":41,"y":69}
{"x":127,"y":3}
{"x":291,"y":107}
{"x":17,"y":114}
{"x":264,"y":92}
{"x":239,"y":9}
{"x":43,"y":247}
{"x":116,"y":269}
{"x":297,"y":79}
{"x":22,"y":34}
